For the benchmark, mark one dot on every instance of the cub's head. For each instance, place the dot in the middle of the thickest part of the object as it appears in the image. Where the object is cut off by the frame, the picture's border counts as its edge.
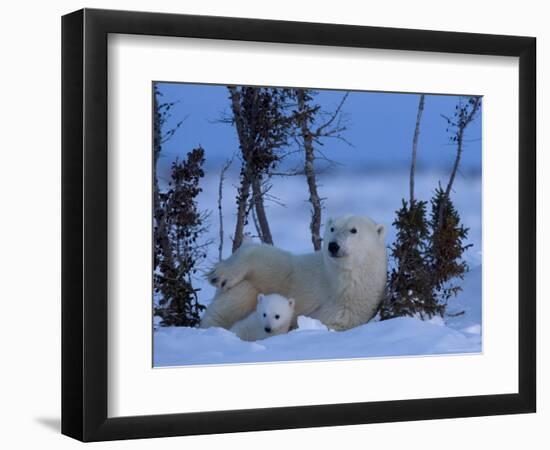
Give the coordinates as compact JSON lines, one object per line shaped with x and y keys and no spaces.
{"x":349,"y":239}
{"x":275,"y":312}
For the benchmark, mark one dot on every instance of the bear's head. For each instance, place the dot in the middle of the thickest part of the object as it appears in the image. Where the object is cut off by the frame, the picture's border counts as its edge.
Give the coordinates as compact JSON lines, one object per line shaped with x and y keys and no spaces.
{"x":352,"y":240}
{"x":275,"y":312}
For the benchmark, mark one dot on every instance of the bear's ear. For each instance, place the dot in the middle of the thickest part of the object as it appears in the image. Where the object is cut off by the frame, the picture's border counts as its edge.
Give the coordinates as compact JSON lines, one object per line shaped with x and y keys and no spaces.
{"x":260,"y":297}
{"x":330,"y":221}
{"x":381,"y":230}
{"x":291,"y":302}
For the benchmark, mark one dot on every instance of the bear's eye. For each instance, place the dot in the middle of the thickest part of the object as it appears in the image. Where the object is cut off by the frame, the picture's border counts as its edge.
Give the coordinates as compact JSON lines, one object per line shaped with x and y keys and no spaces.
{"x":353,"y":230}
{"x":332,"y":229}
{"x":277,"y":316}
{"x":265,"y":315}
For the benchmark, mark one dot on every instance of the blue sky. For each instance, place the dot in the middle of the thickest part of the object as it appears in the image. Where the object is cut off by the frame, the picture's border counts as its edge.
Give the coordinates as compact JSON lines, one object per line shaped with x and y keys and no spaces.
{"x":380,"y":126}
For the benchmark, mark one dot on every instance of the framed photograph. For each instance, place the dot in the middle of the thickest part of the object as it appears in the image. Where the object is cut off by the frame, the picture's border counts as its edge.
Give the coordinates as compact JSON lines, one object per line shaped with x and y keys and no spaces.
{"x":273,"y":224}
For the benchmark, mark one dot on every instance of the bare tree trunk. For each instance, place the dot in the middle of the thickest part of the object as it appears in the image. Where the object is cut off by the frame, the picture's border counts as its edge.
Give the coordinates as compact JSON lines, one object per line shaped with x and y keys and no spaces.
{"x":244,"y":189}
{"x":309,"y":170}
{"x":220,"y":211}
{"x":315,"y":200}
{"x":414,"y":146}
{"x":459,"y":145}
{"x":242,"y":199}
{"x":255,"y":220}
{"x":460,"y":137}
{"x":249,"y":180}
{"x":443,"y":204}
{"x":257,"y":196}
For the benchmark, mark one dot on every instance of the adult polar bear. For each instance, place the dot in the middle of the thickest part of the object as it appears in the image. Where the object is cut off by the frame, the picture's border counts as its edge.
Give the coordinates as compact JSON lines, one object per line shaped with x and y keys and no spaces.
{"x":341,"y":285}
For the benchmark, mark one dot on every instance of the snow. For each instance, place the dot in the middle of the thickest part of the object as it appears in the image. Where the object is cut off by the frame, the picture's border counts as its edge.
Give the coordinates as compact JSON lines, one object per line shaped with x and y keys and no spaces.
{"x":404,"y":336}
{"x":307,"y":323}
{"x":469,"y":301}
{"x":361,"y":192}
{"x":373,"y":193}
{"x":370,"y":179}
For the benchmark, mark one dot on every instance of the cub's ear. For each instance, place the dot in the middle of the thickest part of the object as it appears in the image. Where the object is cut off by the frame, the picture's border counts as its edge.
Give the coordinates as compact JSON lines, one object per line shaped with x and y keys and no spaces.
{"x":330,"y":221}
{"x":291,"y":302}
{"x":381,"y":230}
{"x":260,"y":297}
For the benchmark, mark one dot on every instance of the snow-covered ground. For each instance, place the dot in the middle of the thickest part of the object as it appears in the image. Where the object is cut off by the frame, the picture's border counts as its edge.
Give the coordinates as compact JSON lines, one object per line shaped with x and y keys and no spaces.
{"x":179,"y":346}
{"x":376,"y":194}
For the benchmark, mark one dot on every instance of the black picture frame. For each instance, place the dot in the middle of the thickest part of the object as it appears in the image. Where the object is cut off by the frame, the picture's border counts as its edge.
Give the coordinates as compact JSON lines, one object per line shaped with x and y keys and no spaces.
{"x":84,"y":224}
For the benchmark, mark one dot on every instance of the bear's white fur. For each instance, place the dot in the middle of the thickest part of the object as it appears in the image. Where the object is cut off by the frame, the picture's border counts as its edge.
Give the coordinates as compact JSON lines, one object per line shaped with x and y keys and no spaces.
{"x":342,"y":288}
{"x":273,"y":316}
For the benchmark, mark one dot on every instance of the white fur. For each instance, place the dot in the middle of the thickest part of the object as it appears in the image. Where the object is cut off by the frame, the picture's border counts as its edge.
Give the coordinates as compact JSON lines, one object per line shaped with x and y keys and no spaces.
{"x":273,"y":316}
{"x":342,"y":290}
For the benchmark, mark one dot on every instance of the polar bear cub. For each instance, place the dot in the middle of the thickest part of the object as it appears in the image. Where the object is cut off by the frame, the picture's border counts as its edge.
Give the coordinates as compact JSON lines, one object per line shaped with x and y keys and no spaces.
{"x":273,"y":316}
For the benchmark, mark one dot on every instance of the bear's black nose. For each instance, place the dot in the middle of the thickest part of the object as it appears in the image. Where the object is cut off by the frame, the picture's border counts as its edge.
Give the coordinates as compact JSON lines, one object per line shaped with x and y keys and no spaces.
{"x":333,"y":248}
{"x":267,"y":330}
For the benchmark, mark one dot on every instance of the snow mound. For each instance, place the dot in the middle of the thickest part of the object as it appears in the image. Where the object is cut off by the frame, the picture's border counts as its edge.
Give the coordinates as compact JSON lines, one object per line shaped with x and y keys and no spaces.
{"x":179,"y":346}
{"x":307,"y":323}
